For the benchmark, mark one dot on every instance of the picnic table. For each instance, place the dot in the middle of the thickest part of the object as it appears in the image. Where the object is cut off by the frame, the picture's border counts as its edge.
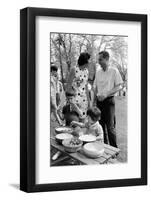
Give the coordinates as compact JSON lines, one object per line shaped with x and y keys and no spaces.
{"x":109,"y":155}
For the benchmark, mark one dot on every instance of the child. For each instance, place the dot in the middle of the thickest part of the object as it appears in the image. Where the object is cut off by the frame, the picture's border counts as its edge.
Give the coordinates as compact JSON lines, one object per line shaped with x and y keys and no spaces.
{"x":92,"y":125}
{"x":70,"y":113}
{"x":54,"y":93}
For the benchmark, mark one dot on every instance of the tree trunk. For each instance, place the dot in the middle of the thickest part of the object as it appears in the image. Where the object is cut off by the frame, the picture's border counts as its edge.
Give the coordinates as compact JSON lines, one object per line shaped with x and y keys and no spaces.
{"x":61,"y":67}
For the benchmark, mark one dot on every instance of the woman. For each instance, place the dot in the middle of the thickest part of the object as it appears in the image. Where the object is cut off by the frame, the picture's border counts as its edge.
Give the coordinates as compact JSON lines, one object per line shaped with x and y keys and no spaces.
{"x":77,"y":81}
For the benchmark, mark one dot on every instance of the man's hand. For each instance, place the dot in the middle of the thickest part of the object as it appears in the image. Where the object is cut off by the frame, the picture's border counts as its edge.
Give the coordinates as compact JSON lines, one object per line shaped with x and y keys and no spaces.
{"x":101,"y":97}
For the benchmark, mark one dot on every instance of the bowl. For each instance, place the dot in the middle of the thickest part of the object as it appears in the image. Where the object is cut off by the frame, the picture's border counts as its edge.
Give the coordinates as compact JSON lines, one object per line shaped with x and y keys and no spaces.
{"x":87,"y":138}
{"x":63,"y":136}
{"x":72,"y":145}
{"x":94,"y":149}
{"x":63,"y":129}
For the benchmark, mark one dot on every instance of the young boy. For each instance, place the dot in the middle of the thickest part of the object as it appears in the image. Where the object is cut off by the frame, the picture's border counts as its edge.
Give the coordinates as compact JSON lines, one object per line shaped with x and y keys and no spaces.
{"x":92,"y":125}
{"x":70,"y":112}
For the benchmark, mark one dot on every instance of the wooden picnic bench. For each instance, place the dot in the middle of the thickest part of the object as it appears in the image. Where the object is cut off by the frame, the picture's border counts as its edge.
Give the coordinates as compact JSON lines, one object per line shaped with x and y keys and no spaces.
{"x":109,"y":155}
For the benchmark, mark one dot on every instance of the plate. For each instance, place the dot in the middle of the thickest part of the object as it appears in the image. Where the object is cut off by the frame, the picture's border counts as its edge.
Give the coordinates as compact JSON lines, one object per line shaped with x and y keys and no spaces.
{"x":87,"y":138}
{"x":63,"y":136}
{"x":63,"y":130}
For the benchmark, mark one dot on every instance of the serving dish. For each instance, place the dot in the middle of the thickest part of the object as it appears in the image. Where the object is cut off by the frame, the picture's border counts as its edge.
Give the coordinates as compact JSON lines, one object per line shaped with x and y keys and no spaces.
{"x":72,"y":145}
{"x":93,"y":149}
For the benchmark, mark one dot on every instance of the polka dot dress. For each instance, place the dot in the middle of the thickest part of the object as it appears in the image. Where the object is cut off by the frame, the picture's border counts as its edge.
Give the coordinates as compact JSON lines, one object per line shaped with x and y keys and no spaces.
{"x":79,"y":83}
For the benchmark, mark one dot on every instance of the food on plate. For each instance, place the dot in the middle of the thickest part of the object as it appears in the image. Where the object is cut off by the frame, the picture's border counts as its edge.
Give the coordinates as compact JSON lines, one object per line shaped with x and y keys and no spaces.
{"x":74,"y":142}
{"x":72,"y":145}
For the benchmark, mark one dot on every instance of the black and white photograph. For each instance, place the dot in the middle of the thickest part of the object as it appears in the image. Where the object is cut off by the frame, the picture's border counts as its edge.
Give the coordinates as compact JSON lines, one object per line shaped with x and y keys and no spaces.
{"x":83,"y":102}
{"x":74,"y":100}
{"x":88,"y":99}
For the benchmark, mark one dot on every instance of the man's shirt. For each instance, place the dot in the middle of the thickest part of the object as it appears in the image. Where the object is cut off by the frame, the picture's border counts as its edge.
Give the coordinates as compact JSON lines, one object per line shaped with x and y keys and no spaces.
{"x":106,"y":80}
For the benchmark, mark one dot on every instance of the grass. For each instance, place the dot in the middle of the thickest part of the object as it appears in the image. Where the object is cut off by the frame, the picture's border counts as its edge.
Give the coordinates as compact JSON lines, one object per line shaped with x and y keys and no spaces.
{"x":121,"y":127}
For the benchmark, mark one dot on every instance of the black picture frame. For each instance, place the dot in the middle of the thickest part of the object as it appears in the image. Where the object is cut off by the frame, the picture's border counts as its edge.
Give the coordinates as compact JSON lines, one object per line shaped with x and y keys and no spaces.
{"x":28,"y":99}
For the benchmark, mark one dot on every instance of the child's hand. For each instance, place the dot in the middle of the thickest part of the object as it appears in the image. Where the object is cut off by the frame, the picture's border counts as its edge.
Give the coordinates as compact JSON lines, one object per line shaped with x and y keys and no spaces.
{"x":75,"y":133}
{"x":74,"y":123}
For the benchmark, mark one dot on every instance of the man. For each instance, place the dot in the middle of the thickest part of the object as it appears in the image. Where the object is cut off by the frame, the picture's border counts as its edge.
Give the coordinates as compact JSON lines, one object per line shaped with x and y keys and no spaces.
{"x":107,"y":82}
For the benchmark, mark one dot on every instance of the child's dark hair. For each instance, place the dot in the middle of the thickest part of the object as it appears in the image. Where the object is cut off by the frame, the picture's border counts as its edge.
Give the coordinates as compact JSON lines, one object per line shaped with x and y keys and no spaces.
{"x":70,"y":94}
{"x":83,"y":58}
{"x":94,"y":113}
{"x":69,"y":115}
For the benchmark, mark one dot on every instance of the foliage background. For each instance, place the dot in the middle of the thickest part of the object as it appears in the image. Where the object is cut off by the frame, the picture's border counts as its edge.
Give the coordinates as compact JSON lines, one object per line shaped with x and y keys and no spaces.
{"x":66,"y":48}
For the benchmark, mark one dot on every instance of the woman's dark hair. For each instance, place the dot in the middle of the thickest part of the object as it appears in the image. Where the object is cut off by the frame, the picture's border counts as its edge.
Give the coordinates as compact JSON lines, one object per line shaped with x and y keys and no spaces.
{"x":94,"y":113}
{"x":105,"y":54}
{"x":83,"y":58}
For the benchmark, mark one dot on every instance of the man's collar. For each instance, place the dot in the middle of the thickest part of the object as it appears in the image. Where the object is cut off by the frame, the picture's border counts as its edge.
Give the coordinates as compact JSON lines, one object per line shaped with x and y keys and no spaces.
{"x":106,"y":69}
